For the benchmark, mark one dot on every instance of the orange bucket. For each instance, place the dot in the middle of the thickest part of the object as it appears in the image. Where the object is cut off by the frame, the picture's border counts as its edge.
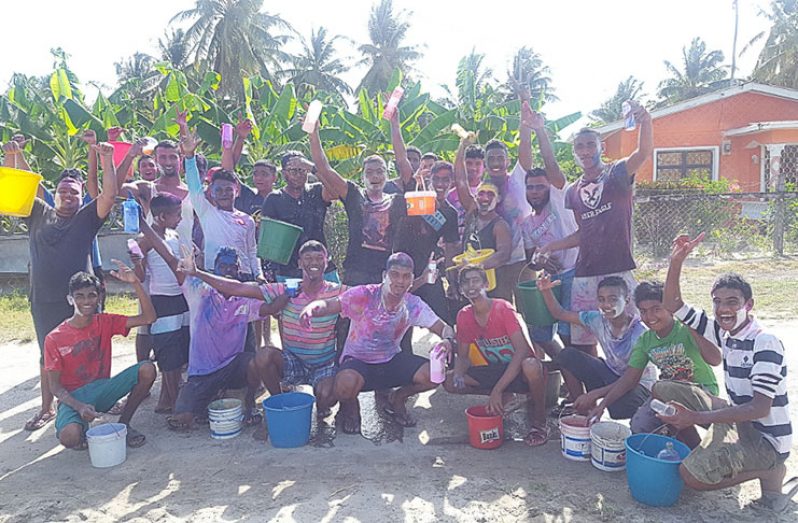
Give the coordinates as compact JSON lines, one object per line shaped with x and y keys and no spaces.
{"x":485,"y":431}
{"x":420,"y":203}
{"x":18,"y":188}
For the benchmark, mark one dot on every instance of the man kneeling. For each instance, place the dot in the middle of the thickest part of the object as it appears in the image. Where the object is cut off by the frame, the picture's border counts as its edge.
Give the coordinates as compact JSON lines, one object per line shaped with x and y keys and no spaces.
{"x":494,"y":356}
{"x":77,"y":359}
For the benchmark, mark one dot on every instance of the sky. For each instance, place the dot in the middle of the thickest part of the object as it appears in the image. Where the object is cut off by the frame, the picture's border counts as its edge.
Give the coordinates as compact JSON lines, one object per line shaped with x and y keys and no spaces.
{"x":590,"y":46}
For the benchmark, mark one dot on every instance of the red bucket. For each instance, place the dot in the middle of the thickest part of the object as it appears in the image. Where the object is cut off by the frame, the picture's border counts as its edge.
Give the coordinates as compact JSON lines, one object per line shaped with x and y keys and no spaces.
{"x":485,"y":431}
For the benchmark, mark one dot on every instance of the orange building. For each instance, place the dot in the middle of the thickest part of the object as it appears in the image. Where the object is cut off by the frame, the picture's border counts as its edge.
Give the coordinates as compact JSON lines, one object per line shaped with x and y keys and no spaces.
{"x":744,"y":133}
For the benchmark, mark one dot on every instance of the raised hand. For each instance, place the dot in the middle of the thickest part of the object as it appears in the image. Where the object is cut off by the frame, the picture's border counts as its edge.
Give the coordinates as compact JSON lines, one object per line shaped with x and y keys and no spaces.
{"x":638,"y":110}
{"x":544,"y":282}
{"x":124,"y":273}
{"x":182,"y":119}
{"x":114,"y":133}
{"x":187,"y":263}
{"x":532,"y":119}
{"x":137,"y":149}
{"x":188,"y":143}
{"x":682,"y":246}
{"x":20,"y":139}
{"x":103,"y":149}
{"x":11,"y":147}
{"x":243,"y":128}
{"x":89,"y":136}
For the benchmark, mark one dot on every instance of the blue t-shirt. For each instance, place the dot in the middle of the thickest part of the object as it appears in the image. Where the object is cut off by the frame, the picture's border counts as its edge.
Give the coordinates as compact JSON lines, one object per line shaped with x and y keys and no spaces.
{"x":96,"y":260}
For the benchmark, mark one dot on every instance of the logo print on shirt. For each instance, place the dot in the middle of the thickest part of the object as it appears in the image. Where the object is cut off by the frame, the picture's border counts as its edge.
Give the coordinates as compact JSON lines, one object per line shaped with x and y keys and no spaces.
{"x":591,"y":194}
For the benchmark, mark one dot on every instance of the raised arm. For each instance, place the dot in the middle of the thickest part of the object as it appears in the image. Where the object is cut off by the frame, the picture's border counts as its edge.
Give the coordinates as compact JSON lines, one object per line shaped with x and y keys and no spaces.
{"x":188,"y":146}
{"x":105,"y":200}
{"x":545,"y":285}
{"x":537,"y":123}
{"x":147,"y":314}
{"x":682,"y":246}
{"x":467,"y":199}
{"x":243,"y":128}
{"x":400,"y":151}
{"x":92,"y":182}
{"x":331,"y":180}
{"x":248,"y":289}
{"x":134,"y":152}
{"x":525,"y":138}
{"x":645,"y":139}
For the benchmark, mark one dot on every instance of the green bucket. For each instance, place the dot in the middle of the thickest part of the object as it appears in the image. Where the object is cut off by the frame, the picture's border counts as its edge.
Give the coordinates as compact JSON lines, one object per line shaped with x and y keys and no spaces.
{"x":277,"y":240}
{"x":532,"y":306}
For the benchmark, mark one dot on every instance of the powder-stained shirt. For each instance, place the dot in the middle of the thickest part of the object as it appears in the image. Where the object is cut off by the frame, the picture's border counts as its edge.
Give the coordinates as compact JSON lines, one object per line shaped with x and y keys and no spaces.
{"x":488,"y":345}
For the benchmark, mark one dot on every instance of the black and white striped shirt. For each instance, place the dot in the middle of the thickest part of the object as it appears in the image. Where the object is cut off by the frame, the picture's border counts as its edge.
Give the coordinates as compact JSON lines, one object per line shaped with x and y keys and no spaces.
{"x":753,"y":361}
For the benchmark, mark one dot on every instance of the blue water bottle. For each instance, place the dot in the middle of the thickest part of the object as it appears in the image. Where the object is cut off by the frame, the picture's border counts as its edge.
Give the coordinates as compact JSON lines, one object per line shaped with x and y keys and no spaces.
{"x":131,"y":215}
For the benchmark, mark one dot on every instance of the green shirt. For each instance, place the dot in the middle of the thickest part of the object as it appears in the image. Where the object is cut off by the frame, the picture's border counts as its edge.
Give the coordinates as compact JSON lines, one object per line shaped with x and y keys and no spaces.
{"x":676,"y":356}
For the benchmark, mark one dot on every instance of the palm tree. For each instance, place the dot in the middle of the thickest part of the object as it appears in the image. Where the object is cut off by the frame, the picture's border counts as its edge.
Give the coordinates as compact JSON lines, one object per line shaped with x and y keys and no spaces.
{"x":472,"y":83}
{"x":175,"y":48}
{"x":385,"y":53}
{"x":233,"y":37}
{"x":528,"y":70}
{"x":611,"y":110}
{"x":702,"y":73}
{"x":778,"y":61}
{"x":318,"y":67}
{"x":138,"y":70}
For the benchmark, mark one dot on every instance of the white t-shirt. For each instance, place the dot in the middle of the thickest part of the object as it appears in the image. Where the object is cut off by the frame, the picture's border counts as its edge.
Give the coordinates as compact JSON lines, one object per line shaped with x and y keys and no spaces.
{"x":554,"y":222}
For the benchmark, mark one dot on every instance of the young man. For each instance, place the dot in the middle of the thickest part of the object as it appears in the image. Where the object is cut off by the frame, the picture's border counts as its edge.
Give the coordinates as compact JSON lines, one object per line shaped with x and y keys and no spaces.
{"x":671,"y":347}
{"x":170,"y":332}
{"x":61,"y":239}
{"x":494,"y":356}
{"x":250,"y":200}
{"x":78,"y":361}
{"x":749,"y":437}
{"x":474,"y":167}
{"x":372,"y":358}
{"x":617,"y":331}
{"x":601,"y":200}
{"x":302,"y":204}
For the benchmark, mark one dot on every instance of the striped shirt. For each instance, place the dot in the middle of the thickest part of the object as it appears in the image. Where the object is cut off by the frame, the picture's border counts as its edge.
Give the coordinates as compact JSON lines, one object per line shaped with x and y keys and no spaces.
{"x":753,"y":361}
{"x":314,"y":346}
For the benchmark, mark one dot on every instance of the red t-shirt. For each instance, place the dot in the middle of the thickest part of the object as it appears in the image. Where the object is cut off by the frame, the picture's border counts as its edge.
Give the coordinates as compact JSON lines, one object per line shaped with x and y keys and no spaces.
{"x":489,"y":345}
{"x":83,"y":355}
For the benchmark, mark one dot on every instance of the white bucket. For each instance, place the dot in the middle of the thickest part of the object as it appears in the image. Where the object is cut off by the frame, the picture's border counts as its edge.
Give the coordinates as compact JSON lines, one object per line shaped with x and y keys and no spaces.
{"x":575,"y":438}
{"x":608,"y":451}
{"x":225,"y":418}
{"x":107,"y":444}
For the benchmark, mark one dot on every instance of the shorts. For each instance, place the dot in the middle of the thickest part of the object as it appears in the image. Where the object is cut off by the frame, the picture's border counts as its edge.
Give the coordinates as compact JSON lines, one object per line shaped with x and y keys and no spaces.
{"x":727,"y":450}
{"x":544,"y":334}
{"x":297,"y":372}
{"x":101,"y":394}
{"x":507,"y":281}
{"x":488,"y":375}
{"x":396,"y":372}
{"x":199,"y":391}
{"x":46,"y":317}
{"x":330,"y":276}
{"x":170,"y":332}
{"x":583,"y":298}
{"x":645,"y":420}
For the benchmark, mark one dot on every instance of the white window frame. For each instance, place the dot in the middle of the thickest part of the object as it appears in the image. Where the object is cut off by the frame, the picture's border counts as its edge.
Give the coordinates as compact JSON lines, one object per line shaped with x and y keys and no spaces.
{"x":715,"y":157}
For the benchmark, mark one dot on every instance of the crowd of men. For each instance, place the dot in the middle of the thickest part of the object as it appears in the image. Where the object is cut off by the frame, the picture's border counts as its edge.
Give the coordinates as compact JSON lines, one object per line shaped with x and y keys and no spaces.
{"x":204,"y":296}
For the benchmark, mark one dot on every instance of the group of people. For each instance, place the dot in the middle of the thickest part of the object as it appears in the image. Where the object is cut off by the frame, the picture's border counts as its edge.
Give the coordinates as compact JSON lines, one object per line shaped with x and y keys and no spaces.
{"x":204,"y":292}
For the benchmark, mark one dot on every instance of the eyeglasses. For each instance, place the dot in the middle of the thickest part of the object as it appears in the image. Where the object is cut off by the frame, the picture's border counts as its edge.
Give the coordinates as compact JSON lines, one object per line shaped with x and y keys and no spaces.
{"x":296,"y":171}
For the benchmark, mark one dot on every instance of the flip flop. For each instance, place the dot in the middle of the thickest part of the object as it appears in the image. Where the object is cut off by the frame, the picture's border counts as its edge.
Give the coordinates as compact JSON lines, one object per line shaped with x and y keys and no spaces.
{"x":118,"y":407}
{"x":135,"y":439}
{"x":252,"y":419}
{"x":403,"y":419}
{"x":176,"y":425}
{"x":777,"y":502}
{"x":537,"y":436}
{"x":39,"y":420}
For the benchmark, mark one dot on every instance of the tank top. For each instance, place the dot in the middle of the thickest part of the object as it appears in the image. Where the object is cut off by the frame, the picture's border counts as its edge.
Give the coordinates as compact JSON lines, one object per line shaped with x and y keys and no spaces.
{"x":482,"y":238}
{"x":162,"y":280}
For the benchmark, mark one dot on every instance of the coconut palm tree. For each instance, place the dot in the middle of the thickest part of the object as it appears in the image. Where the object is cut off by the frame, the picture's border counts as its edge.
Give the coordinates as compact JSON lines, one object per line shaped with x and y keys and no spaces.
{"x":528,"y":70}
{"x":317,"y":66}
{"x":175,"y":48}
{"x":611,"y":109}
{"x":778,"y":61}
{"x":234,"y":37}
{"x":386,"y":52}
{"x":701,"y":73}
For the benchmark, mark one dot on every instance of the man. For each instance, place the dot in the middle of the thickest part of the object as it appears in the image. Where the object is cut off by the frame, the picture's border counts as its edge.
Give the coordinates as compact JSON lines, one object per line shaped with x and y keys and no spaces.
{"x":61,"y":239}
{"x":372,"y":358}
{"x":302,"y":204}
{"x":671,"y":347}
{"x":601,"y":200}
{"x":249,"y":200}
{"x":617,"y":331}
{"x":494,"y":356}
{"x":750,"y":436}
{"x":78,"y":361}
{"x":474,"y":166}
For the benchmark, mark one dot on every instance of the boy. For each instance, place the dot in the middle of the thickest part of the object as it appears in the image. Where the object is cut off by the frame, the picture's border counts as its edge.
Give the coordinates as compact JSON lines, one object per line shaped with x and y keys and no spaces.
{"x":77,"y":359}
{"x":494,"y":356}
{"x":749,"y":438}
{"x":671,"y":347}
{"x":617,"y":332}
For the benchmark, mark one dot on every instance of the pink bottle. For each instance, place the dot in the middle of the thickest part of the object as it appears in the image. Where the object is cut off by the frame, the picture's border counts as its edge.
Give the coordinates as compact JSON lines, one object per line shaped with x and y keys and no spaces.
{"x":393,"y":103}
{"x":227,"y":135}
{"x":437,"y":363}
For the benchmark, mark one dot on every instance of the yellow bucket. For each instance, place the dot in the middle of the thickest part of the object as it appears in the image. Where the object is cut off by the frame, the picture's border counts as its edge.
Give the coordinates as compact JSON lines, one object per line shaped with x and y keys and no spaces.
{"x":17,"y":190}
{"x":477,"y":257}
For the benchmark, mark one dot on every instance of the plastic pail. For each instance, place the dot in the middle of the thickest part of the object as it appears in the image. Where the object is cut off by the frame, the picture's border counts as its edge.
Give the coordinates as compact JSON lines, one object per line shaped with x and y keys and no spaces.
{"x":120,"y":151}
{"x":225,"y":417}
{"x":485,"y":431}
{"x":288,"y":416}
{"x":575,"y":438}
{"x":477,"y":257}
{"x":607,"y":445}
{"x":107,"y":444}
{"x":533,"y":308}
{"x":17,"y":191}
{"x":654,"y":482}
{"x":277,"y":240}
{"x":420,"y":203}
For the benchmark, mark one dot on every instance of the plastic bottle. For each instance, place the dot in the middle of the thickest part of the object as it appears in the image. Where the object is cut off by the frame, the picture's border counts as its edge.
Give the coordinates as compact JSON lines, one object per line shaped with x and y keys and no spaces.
{"x":437,"y":364}
{"x":149,"y":145}
{"x":227,"y":135}
{"x":314,"y":111}
{"x":432,"y":272}
{"x":133,"y":247}
{"x":393,"y":103}
{"x":292,"y":287}
{"x":131,"y":215}
{"x":629,"y":117}
{"x":669,"y":453}
{"x":663,"y":409}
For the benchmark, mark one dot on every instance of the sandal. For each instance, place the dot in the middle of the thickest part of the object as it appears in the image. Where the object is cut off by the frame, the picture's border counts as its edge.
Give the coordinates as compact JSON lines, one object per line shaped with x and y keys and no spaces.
{"x":39,"y":420}
{"x":135,"y":439}
{"x":172,"y":423}
{"x":252,"y":419}
{"x":776,"y":501}
{"x":537,"y":436}
{"x":402,"y":418}
{"x":118,"y":407}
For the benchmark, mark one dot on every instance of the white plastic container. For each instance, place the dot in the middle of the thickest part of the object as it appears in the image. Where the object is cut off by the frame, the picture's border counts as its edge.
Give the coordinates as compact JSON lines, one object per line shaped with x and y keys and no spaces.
{"x":225,"y":418}
{"x":314,"y":111}
{"x":575,"y":438}
{"x":607,"y":448}
{"x":107,"y":444}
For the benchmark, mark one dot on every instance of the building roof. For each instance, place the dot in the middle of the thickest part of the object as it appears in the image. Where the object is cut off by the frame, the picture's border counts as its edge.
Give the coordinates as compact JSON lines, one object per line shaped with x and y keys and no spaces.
{"x":758,"y":127}
{"x":779,"y":92}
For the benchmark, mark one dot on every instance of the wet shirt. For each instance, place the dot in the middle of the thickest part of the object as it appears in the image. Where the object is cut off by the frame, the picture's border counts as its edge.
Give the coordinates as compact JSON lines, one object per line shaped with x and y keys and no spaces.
{"x":553,"y":222}
{"x":513,"y":208}
{"x":603,"y":211}
{"x":375,"y":332}
{"x":418,"y":235}
{"x":83,"y":355}
{"x":488,"y":345}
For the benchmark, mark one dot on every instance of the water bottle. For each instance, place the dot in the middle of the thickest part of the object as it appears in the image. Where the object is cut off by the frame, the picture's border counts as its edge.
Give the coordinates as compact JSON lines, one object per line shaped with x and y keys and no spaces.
{"x":393,"y":103}
{"x":629,"y":117}
{"x":663,"y":409}
{"x":432,"y":272}
{"x":227,"y":135}
{"x":669,"y":453}
{"x":292,"y":287}
{"x":133,"y":248}
{"x":437,"y":364}
{"x":314,"y":111}
{"x":131,"y":215}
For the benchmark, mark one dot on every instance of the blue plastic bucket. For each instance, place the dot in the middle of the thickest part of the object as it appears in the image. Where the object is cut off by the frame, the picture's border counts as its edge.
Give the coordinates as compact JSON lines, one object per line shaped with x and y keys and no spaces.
{"x":654,"y":482}
{"x":288,"y":416}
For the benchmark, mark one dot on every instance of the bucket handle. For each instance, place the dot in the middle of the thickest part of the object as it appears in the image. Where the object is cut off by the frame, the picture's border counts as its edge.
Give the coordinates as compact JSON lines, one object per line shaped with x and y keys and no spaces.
{"x":655,"y":431}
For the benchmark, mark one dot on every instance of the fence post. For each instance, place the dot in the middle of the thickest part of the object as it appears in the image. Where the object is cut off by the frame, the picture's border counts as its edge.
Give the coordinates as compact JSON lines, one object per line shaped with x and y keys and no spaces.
{"x":778,"y":218}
